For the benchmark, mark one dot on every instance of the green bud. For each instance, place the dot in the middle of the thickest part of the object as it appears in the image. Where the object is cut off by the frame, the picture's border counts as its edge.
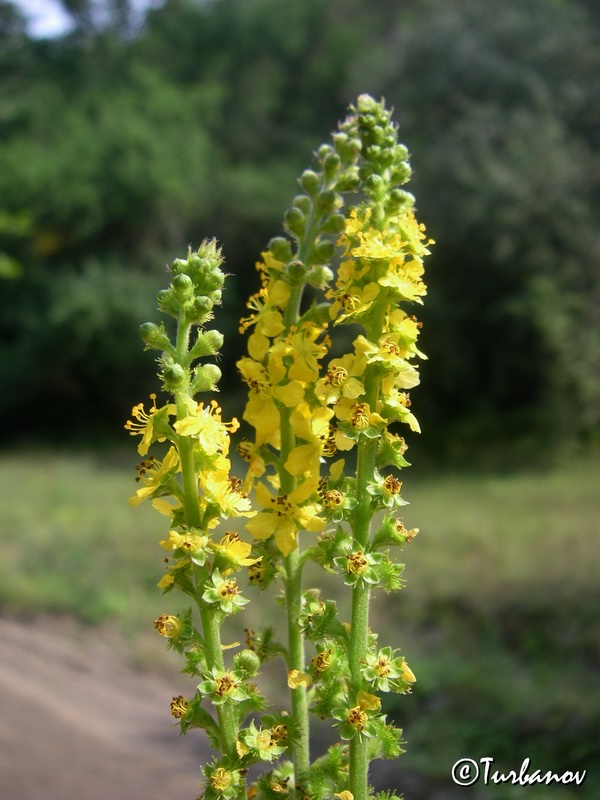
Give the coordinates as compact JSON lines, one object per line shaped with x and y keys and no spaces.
{"x":281,"y":249}
{"x":347,"y":148}
{"x":168,"y":302}
{"x":331,"y":164}
{"x":398,"y":198}
{"x":183,"y":287}
{"x":334,"y":223}
{"x":174,"y":377}
{"x":309,"y":181}
{"x":302,"y":202}
{"x":295,"y":220}
{"x":247,"y":662}
{"x":377,"y":134}
{"x":296,"y":272}
{"x":319,"y":278}
{"x":201,"y":310}
{"x":155,"y":337}
{"x":206,"y":378}
{"x":402,"y":173}
{"x":348,"y":181}
{"x":324,"y":151}
{"x":207,"y":344}
{"x":327,"y":201}
{"x":322,"y":251}
{"x":367,"y":105}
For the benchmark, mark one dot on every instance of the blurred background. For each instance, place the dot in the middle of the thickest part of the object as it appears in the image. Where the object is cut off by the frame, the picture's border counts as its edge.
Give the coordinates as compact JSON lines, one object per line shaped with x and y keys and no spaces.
{"x":129,"y":130}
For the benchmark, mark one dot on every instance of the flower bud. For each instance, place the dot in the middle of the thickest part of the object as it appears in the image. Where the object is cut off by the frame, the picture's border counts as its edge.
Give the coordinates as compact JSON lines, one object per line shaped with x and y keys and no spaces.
{"x":322,"y":251}
{"x":174,"y":377}
{"x":183,"y":287}
{"x":280,"y":249}
{"x":168,"y":302}
{"x":319,"y":278}
{"x":334,"y":223}
{"x":154,"y":336}
{"x":331,"y":164}
{"x":201,"y":310}
{"x":295,"y":220}
{"x":208,"y":343}
{"x":327,"y":201}
{"x":247,"y":662}
{"x":348,"y":181}
{"x":296,"y":272}
{"x":302,"y":202}
{"x":206,"y":378}
{"x":309,"y":181}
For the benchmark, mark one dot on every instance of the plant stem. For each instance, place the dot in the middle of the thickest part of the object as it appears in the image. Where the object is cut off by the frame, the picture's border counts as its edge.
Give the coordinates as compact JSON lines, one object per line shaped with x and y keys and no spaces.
{"x":293,"y":580}
{"x":359,"y":628}
{"x":211,"y":620}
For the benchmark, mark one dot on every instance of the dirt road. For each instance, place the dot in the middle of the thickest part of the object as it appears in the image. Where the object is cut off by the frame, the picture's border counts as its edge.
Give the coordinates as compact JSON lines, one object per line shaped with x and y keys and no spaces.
{"x":76,"y":724}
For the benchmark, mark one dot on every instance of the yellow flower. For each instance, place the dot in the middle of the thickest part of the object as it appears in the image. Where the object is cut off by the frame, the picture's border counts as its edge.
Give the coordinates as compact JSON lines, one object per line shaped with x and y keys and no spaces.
{"x":227,"y":493}
{"x":263,"y":415}
{"x":179,"y":706}
{"x":368,"y":702}
{"x":300,"y":345}
{"x":153,"y":426}
{"x":285,"y":516}
{"x":405,"y":279}
{"x":352,"y":301}
{"x":297,"y":678}
{"x":345,"y":795}
{"x":168,"y":626}
{"x":205,"y":425}
{"x":407,"y":673}
{"x":155,"y":474}
{"x":341,"y":379}
{"x":188,"y":541}
{"x":235,"y":550}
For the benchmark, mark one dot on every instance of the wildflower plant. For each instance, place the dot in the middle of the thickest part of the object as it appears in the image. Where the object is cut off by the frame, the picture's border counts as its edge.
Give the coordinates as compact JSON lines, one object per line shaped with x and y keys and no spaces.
{"x":326,"y":409}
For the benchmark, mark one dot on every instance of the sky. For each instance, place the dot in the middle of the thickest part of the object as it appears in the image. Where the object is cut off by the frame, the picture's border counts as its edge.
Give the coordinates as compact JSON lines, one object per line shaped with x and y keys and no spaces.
{"x":47,"y":19}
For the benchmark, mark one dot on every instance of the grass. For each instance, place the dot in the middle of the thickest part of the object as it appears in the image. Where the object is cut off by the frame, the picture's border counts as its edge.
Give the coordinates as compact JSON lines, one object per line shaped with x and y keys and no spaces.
{"x":499,"y":619}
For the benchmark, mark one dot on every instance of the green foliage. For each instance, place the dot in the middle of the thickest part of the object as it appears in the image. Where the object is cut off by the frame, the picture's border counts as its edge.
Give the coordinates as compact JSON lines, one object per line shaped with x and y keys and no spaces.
{"x":120,"y":143}
{"x":501,"y":619}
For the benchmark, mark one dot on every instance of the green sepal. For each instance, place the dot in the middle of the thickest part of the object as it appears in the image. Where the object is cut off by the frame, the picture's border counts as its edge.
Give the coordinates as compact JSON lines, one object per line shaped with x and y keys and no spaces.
{"x":386,"y":740}
{"x":198,"y":717}
{"x":389,"y":574}
{"x":208,"y":343}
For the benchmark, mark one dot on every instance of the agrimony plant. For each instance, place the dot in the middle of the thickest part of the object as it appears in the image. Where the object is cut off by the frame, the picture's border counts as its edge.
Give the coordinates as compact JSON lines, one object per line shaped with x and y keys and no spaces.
{"x":330,"y":363}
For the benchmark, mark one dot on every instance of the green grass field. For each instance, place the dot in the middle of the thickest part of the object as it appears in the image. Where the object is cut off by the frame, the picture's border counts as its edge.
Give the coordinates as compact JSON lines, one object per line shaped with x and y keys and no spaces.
{"x":499,"y":619}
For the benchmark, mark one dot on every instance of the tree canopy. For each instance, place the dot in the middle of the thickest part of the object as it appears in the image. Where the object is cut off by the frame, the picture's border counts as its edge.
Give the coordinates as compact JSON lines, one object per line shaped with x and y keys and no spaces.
{"x":126,"y":139}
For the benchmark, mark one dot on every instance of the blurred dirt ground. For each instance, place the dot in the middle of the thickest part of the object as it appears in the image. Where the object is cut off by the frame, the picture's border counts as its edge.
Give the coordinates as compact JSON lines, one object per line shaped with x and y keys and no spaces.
{"x":76,"y":723}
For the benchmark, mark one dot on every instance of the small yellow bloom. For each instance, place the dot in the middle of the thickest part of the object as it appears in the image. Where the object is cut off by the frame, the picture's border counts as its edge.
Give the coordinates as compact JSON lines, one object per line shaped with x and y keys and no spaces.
{"x":297,"y":678}
{"x":147,"y":424}
{"x":205,"y":425}
{"x":345,"y":795}
{"x":168,"y":626}
{"x":227,"y":493}
{"x":285,"y":516}
{"x":179,"y":706}
{"x":155,"y":474}
{"x":235,"y":550}
{"x":408,"y":674}
{"x":368,"y":702}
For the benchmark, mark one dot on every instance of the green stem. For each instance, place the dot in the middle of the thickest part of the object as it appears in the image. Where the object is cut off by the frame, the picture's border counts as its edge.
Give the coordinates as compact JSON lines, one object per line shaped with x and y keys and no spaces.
{"x":359,"y":628}
{"x":211,"y":622}
{"x":211,"y":628}
{"x":293,"y":580}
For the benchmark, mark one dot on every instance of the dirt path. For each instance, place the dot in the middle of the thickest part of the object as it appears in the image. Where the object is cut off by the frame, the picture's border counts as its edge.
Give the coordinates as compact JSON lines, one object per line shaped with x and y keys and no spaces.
{"x":75,"y":724}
